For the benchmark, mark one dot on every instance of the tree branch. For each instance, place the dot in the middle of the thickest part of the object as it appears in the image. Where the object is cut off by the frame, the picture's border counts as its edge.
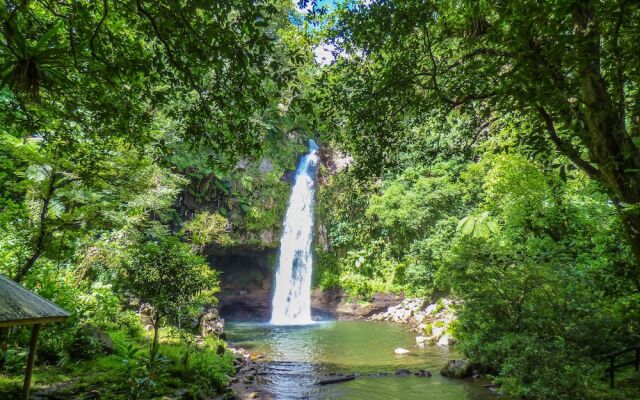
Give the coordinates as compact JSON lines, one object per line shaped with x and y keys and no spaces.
{"x":105,"y":13}
{"x":566,"y":148}
{"x":171,"y":57}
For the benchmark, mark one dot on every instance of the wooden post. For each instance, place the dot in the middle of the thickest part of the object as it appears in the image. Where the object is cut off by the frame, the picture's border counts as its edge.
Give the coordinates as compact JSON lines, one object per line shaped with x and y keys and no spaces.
{"x":30,"y":360}
{"x":612,"y":370}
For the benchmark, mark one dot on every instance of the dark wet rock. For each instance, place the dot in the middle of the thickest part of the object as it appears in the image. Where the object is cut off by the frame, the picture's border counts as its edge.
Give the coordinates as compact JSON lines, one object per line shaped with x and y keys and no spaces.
{"x":245,"y":281}
{"x":289,"y":176}
{"x":336,"y":379}
{"x":457,"y":369}
{"x":423,"y":373}
{"x":403,"y":372}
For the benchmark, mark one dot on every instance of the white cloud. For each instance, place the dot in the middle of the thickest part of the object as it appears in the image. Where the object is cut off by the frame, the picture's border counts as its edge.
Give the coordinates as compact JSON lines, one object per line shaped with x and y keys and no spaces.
{"x":304,"y":10}
{"x":324,"y":53}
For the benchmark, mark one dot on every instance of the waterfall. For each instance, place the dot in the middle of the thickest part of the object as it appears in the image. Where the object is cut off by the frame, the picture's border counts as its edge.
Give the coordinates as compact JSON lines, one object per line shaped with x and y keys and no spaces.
{"x":292,"y":297}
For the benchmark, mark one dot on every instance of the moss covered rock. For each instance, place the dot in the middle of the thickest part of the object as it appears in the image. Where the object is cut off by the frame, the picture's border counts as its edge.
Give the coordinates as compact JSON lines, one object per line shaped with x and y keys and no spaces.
{"x":457,"y":369}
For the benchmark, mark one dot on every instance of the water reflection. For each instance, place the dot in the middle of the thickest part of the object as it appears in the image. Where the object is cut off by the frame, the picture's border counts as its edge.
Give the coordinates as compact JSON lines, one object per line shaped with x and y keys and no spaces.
{"x":298,"y":354}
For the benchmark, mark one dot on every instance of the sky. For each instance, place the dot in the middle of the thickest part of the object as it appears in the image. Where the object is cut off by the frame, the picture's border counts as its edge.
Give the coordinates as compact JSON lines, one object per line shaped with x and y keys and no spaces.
{"x":323,"y":53}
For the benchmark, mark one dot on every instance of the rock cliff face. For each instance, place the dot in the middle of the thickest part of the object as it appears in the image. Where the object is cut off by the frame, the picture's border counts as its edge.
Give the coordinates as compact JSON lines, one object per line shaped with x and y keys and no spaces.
{"x":336,"y":304}
{"x":245,"y":282}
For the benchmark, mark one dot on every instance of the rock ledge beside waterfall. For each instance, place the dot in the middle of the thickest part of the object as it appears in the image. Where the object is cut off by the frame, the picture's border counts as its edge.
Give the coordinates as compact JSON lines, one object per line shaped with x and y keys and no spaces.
{"x":431,"y":320}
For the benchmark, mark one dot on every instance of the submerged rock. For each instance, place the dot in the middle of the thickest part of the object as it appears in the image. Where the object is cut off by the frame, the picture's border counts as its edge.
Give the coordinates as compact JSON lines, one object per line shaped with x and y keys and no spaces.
{"x":336,"y":379}
{"x":457,"y":369}
{"x":403,"y":372}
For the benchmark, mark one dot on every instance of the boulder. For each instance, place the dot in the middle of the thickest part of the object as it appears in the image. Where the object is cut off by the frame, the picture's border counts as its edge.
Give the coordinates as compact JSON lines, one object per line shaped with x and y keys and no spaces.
{"x":420,"y":317}
{"x":422,"y":341}
{"x":446,"y":340}
{"x":431,"y":308}
{"x":90,"y":334}
{"x":436,"y":332}
{"x":210,"y":323}
{"x":403,"y":372}
{"x":457,"y":369}
{"x":400,"y":350}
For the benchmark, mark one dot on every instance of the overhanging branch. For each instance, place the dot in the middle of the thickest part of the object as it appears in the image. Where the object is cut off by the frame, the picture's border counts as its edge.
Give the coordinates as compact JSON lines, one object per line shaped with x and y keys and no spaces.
{"x":566,"y":148}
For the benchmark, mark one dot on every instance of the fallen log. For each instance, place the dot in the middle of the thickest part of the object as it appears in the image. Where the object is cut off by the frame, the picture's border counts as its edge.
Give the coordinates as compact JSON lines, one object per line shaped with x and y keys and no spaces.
{"x":336,"y":379}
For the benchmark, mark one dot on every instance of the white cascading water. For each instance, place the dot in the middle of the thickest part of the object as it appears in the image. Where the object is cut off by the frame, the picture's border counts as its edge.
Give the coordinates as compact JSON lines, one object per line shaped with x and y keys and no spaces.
{"x":292,"y":297}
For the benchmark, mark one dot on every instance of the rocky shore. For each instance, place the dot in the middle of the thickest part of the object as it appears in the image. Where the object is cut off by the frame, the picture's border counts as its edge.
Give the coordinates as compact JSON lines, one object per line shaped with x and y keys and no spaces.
{"x":432,"y":321}
{"x":248,"y":383}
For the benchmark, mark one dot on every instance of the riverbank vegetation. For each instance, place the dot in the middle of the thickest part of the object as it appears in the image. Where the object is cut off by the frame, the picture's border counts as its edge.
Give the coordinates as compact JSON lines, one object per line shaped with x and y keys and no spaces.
{"x":495,"y":148}
{"x":131,"y":138}
{"x":492,"y":155}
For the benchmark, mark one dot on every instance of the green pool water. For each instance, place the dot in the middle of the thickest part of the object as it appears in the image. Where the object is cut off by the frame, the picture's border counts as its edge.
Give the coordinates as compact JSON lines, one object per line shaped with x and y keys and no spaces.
{"x":297,"y":356}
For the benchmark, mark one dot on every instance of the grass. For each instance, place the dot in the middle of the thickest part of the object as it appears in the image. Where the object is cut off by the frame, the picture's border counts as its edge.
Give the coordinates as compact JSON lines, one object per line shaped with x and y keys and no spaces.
{"x":200,"y":370}
{"x":103,"y":374}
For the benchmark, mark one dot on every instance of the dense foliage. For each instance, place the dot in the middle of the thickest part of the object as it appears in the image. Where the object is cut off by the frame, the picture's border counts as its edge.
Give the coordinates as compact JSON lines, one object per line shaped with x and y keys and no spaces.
{"x":494,"y":147}
{"x":132,"y":136}
{"x":493,"y":157}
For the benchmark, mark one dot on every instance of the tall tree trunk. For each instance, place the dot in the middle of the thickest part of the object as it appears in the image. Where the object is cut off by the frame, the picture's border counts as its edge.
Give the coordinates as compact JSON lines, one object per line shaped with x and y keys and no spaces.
{"x":609,"y":144}
{"x":38,"y":246}
{"x":155,"y":344}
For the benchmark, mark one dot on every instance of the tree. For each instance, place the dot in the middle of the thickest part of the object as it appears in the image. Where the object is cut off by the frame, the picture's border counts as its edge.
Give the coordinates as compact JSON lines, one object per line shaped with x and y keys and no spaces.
{"x":168,"y":275}
{"x":109,"y":68}
{"x":566,"y":70}
{"x":206,"y":228}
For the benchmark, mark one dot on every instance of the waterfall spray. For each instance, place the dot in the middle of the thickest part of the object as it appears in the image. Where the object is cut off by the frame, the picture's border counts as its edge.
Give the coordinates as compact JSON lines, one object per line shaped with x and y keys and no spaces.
{"x":292,"y":296}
